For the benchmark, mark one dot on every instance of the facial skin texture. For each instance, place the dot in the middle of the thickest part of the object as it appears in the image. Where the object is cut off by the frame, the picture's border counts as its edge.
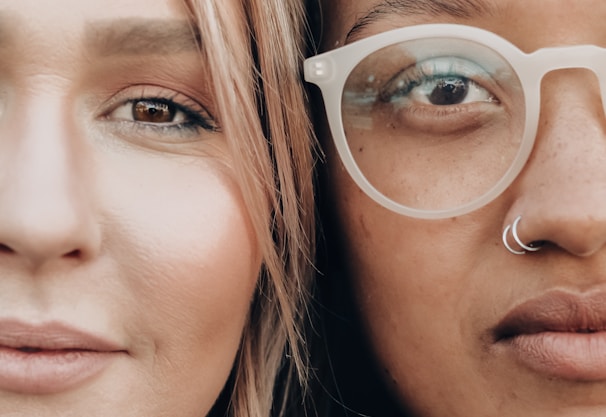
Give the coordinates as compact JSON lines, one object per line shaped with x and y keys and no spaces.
{"x":432,"y":292}
{"x":132,"y":232}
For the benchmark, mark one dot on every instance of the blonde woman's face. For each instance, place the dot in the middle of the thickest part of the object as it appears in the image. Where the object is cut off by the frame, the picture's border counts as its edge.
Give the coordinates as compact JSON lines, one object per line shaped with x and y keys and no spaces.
{"x":461,"y":326}
{"x":127,"y":258}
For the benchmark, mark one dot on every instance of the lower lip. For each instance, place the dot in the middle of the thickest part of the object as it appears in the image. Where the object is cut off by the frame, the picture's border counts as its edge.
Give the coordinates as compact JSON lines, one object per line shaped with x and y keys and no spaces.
{"x":571,"y":356}
{"x":49,"y":371}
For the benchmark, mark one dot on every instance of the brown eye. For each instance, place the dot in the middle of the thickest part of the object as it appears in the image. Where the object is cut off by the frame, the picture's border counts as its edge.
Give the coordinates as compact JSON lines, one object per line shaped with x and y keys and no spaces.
{"x":449,"y":91}
{"x":440,"y":81}
{"x":177,"y":112}
{"x":148,"y":111}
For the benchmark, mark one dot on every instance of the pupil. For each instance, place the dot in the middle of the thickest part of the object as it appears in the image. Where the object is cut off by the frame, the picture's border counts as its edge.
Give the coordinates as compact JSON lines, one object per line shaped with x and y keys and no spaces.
{"x":153,"y":112}
{"x":449,"y":91}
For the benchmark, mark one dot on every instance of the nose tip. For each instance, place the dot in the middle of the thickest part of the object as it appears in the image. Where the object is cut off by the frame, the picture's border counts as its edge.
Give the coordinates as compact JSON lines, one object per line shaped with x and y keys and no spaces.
{"x":569,"y":214}
{"x":51,"y":237}
{"x":582,"y":237}
{"x":40,"y":231}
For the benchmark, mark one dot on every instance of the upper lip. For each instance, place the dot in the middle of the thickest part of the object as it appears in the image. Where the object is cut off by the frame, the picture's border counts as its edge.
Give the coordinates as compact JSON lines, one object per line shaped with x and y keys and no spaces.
{"x":51,"y":336}
{"x":555,"y":311}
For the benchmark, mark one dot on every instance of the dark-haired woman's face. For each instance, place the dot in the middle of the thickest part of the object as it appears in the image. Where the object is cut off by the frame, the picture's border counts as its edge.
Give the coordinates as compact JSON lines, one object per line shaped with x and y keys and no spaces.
{"x":462,"y":326}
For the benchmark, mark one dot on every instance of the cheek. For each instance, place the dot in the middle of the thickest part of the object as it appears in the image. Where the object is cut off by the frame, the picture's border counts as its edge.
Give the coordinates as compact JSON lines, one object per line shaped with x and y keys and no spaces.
{"x":423,"y":292}
{"x":401,"y":275}
{"x":188,"y":262}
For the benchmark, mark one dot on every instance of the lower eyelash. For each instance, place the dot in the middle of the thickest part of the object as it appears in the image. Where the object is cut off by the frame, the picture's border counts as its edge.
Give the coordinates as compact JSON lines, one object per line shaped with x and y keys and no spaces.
{"x":167,"y":130}
{"x":197,"y":121}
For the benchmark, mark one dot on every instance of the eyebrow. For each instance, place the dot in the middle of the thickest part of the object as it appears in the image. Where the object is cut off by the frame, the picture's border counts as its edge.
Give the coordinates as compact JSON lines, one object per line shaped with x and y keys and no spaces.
{"x":455,"y":8}
{"x":142,"y":37}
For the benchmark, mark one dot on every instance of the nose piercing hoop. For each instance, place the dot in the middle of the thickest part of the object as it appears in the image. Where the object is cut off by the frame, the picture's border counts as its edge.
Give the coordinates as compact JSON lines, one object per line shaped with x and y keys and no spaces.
{"x":514,"y":232}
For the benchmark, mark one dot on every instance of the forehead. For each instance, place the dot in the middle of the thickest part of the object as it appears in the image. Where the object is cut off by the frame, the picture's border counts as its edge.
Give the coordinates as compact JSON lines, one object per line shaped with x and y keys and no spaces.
{"x":35,"y":33}
{"x":531,"y":24}
{"x":40,"y":12}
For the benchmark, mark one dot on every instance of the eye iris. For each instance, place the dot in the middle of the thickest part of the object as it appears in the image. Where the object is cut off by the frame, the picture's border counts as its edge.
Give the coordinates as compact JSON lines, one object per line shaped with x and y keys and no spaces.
{"x":153,"y":112}
{"x":449,"y":91}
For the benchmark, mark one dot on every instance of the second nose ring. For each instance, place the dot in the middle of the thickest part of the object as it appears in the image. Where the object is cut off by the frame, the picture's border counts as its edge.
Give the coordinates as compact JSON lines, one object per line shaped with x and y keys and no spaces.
{"x":514,"y":232}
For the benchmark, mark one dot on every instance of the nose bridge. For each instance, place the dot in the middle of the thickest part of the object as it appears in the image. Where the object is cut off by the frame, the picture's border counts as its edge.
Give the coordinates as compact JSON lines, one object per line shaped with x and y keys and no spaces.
{"x":583,"y":59}
{"x":43,"y":161}
{"x":570,"y":139}
{"x":43,"y":205}
{"x":562,"y":190}
{"x":571,"y":131}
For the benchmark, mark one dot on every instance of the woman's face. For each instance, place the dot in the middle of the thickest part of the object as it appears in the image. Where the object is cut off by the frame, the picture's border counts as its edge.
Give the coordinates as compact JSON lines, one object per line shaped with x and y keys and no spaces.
{"x":127,"y":257}
{"x":461,"y":326}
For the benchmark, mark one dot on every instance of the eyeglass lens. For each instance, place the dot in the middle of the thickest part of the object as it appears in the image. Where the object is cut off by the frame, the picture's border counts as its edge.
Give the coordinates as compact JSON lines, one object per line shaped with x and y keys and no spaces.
{"x":433,"y":124}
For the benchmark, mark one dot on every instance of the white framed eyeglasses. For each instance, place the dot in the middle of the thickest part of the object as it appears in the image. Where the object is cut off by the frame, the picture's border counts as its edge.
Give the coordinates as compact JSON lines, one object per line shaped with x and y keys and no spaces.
{"x":435,"y":121}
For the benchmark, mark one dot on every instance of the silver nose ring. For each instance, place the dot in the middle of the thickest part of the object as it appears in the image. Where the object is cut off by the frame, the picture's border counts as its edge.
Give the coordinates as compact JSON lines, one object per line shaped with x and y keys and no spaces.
{"x":514,"y":232}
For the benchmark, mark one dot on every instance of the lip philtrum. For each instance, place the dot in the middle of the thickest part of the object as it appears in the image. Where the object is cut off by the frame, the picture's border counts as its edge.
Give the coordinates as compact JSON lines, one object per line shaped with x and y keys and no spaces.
{"x":558,"y":334}
{"x":50,"y":358}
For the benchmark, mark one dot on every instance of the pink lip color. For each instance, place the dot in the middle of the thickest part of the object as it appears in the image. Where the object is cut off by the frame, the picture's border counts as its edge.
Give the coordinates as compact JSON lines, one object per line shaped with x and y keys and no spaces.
{"x":558,"y":334}
{"x":50,"y":358}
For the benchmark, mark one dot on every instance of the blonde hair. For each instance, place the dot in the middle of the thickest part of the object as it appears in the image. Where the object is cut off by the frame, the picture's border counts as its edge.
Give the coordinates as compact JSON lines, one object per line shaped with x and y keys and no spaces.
{"x":254,"y":50}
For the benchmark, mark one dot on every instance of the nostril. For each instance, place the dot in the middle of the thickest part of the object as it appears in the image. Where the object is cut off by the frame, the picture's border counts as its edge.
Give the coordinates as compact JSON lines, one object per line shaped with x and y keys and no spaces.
{"x":5,"y":249}
{"x":537,"y":243}
{"x":74,"y":254}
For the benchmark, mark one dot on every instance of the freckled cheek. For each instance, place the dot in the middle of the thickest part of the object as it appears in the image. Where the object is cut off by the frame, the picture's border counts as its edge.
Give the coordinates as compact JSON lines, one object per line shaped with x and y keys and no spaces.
{"x":412,"y":286}
{"x":414,"y":311}
{"x":424,"y":290}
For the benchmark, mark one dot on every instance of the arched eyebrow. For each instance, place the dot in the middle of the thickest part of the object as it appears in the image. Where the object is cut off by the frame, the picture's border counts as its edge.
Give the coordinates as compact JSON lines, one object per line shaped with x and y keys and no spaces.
{"x":141,"y":37}
{"x":456,"y":8}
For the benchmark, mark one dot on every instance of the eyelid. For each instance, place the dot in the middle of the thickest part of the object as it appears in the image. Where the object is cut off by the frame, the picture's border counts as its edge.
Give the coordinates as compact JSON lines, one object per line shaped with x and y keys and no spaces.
{"x":196,"y":127}
{"x":408,"y":77}
{"x":135,"y":93}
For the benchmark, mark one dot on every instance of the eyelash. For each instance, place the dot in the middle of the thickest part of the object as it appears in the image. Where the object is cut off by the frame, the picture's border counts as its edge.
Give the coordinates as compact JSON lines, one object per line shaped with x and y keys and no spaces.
{"x":426,"y":72}
{"x":196,"y":118}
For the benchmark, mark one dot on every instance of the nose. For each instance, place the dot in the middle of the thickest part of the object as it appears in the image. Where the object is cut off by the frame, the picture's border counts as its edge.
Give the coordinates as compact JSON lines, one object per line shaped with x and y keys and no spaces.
{"x":561,"y":193}
{"x":45,"y":206}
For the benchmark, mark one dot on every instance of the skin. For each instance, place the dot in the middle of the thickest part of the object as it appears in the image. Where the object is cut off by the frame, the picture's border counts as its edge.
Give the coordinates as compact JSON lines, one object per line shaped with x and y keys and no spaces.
{"x":431,"y":291}
{"x":116,"y":225}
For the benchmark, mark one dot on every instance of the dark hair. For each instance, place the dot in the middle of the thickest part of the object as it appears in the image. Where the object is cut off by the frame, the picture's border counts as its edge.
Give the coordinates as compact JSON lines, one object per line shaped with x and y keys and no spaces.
{"x":346,"y":380}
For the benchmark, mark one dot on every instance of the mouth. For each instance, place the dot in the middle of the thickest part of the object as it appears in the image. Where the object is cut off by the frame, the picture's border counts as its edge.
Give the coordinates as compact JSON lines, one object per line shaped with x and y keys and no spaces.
{"x":51,"y":357}
{"x":555,"y":312}
{"x":557,"y":334}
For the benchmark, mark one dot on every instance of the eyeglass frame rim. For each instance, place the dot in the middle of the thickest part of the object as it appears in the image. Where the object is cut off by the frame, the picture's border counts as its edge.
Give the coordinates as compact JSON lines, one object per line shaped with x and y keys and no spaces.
{"x":330,"y":70}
